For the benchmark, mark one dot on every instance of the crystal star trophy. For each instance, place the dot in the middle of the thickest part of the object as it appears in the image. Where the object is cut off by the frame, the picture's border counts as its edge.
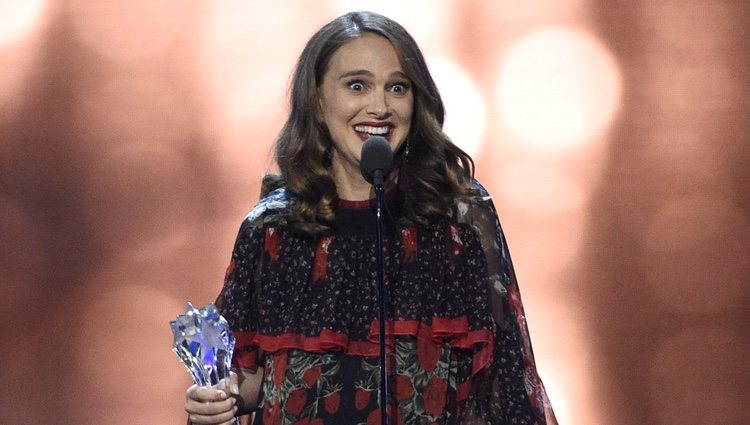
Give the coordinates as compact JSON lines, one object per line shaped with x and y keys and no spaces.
{"x":204,"y":343}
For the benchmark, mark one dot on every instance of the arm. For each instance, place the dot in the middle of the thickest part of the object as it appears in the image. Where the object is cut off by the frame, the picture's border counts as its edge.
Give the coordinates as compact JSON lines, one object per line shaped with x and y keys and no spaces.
{"x":248,"y":390}
{"x":513,"y":374}
{"x":221,"y":403}
{"x":237,"y":303}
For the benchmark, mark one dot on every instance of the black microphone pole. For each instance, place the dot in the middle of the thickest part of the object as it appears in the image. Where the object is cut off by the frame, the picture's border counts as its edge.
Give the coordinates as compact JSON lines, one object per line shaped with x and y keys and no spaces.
{"x":378,"y":186}
{"x":375,"y":162}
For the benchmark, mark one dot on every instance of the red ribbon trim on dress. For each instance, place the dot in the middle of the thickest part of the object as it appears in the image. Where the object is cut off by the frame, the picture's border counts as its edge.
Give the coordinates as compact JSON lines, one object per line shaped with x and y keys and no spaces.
{"x":455,"y":331}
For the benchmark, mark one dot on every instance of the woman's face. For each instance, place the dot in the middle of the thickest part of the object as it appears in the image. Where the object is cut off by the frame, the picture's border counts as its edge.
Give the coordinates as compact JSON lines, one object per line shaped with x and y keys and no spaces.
{"x":365,"y":92}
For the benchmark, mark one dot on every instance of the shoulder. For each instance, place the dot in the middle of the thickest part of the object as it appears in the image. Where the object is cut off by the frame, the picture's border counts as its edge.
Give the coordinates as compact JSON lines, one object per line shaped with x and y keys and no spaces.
{"x":272,"y":209}
{"x":270,"y":212}
{"x":477,"y":204}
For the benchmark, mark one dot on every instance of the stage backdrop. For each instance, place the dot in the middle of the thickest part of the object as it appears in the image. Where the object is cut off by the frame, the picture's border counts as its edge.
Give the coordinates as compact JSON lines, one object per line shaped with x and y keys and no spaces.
{"x":613,"y":136}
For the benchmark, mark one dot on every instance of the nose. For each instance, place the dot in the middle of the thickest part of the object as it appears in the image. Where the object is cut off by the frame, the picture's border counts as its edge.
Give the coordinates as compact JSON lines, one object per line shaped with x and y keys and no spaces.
{"x":378,"y":105}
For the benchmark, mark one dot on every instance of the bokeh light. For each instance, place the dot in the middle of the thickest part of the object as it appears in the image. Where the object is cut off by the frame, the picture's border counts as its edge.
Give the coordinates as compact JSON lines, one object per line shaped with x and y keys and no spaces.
{"x":20,"y":33}
{"x":558,"y":87}
{"x":466,"y":114}
{"x":540,"y":189}
{"x":19,"y":18}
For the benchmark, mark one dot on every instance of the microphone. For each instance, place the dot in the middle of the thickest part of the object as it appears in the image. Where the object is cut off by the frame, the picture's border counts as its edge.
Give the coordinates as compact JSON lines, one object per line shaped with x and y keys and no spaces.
{"x":376,"y":160}
{"x":375,"y":163}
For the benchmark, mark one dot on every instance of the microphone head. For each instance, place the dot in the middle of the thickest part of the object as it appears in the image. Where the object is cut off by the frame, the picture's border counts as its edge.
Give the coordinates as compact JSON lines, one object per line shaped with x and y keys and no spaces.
{"x":376,"y":155}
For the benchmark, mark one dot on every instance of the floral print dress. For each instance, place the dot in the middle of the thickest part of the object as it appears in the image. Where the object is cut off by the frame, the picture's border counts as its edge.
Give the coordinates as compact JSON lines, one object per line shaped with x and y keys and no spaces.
{"x":305,"y":309}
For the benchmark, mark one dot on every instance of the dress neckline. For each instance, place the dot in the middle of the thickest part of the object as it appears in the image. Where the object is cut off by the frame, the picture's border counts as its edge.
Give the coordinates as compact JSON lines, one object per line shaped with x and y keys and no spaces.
{"x":390,"y":196}
{"x":356,"y":205}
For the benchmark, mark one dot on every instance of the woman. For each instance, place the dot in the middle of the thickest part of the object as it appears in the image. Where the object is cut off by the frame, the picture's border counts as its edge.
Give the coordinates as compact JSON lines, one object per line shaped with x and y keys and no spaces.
{"x":300,"y":292}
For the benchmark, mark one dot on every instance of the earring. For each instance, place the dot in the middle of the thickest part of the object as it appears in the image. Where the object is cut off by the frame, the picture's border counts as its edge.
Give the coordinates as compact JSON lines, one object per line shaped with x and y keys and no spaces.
{"x":406,"y":150}
{"x":327,"y":162}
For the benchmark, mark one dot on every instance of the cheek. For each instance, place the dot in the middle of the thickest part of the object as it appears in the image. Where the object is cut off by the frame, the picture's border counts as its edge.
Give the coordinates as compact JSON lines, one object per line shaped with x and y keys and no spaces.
{"x":405,"y":105}
{"x":406,"y":111}
{"x":342,"y":108}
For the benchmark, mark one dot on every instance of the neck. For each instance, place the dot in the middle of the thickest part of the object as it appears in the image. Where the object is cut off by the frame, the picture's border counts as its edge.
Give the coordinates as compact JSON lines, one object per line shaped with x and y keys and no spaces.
{"x":352,"y":189}
{"x":350,"y":184}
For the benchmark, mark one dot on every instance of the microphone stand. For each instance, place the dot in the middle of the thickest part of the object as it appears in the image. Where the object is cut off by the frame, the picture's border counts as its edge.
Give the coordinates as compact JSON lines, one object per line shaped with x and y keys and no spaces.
{"x":379,"y":191}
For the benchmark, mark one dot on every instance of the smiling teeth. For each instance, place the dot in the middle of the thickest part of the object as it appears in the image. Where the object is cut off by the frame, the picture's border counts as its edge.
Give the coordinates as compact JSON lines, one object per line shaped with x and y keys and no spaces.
{"x":371,"y":130}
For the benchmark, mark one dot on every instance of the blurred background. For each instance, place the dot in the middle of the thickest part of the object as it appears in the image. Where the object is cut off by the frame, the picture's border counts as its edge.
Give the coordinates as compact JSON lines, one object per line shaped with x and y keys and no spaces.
{"x":614,"y":137}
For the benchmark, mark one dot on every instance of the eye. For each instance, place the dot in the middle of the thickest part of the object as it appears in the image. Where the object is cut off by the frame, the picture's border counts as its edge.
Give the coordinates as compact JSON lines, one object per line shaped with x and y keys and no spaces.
{"x":356,"y":86}
{"x":400,"y":88}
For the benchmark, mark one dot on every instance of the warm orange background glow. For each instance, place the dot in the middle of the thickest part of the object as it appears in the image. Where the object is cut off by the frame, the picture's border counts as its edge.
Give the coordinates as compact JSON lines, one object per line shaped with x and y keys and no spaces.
{"x":613,"y":135}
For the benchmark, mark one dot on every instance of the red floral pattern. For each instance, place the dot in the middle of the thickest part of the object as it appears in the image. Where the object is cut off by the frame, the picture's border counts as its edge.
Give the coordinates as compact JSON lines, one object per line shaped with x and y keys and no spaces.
{"x":272,"y":414}
{"x":409,"y":239}
{"x":428,"y":354}
{"x":374,"y":417}
{"x":279,"y":368}
{"x":320,"y":267}
{"x":434,"y":396}
{"x":404,"y":388}
{"x":272,"y":244}
{"x":296,"y":401}
{"x":311,"y":376}
{"x":333,"y":402}
{"x":361,"y":399}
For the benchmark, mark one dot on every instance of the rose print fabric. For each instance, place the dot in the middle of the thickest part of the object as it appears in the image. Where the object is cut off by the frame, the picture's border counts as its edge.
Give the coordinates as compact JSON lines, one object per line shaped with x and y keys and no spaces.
{"x":305,"y":308}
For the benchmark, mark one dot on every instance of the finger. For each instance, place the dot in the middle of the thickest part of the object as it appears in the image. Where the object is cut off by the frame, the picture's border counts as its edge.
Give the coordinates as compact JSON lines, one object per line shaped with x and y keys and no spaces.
{"x":204,"y":394}
{"x":234,"y":386}
{"x":224,"y":385}
{"x":229,"y":422}
{"x":210,"y":407}
{"x":222,"y":418}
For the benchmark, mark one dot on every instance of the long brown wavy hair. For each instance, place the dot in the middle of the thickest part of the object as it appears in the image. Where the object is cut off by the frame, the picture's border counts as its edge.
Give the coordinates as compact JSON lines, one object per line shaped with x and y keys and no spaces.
{"x":430,"y":177}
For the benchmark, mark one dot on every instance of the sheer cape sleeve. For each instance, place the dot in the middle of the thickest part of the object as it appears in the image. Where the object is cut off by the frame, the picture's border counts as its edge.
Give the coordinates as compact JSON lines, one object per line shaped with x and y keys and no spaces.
{"x":509,"y":390}
{"x":238,"y":299}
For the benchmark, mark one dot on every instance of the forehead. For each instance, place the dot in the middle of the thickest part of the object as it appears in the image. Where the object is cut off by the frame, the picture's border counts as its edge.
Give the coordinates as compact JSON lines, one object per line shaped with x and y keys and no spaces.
{"x":369,"y":51}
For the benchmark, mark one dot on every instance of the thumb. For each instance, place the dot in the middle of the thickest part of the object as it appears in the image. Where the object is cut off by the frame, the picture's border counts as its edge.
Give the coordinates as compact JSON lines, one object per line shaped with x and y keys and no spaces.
{"x":234,"y":386}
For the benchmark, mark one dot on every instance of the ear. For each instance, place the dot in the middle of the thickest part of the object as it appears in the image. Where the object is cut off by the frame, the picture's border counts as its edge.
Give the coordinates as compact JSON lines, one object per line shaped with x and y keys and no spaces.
{"x":319,"y":108}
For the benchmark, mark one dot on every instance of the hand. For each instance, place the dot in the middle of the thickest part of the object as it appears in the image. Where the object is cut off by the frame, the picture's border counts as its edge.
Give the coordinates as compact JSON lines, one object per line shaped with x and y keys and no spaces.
{"x":212,"y":405}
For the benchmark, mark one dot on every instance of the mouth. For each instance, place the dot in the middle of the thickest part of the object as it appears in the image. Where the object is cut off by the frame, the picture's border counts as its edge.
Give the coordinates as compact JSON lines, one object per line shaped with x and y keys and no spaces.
{"x":365,"y":131}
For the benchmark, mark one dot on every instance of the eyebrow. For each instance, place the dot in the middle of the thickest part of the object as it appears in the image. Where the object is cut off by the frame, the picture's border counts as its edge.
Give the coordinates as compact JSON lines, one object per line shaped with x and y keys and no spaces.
{"x":364,"y":72}
{"x":354,"y":73}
